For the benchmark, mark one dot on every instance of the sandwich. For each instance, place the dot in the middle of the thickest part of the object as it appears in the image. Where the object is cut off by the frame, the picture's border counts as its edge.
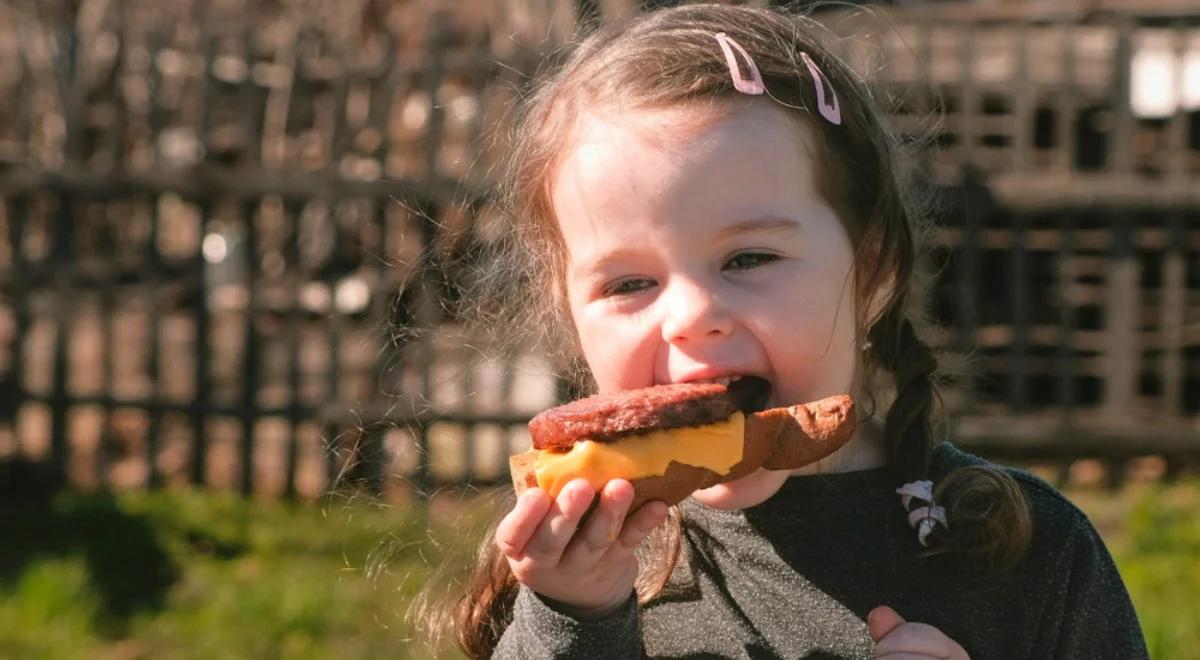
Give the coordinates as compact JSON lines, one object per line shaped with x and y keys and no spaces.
{"x":672,"y":440}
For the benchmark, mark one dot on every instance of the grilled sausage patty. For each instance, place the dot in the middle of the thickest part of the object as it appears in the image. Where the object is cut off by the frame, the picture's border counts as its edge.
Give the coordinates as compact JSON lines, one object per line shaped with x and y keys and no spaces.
{"x":610,"y":417}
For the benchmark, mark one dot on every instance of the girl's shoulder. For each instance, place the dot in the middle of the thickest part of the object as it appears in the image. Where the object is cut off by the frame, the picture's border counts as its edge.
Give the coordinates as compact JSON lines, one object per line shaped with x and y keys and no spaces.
{"x":1067,"y":572}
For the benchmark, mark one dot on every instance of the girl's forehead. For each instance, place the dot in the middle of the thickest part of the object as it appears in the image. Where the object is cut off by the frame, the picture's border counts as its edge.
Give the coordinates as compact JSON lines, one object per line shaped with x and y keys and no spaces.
{"x":677,"y":127}
{"x":649,"y":165}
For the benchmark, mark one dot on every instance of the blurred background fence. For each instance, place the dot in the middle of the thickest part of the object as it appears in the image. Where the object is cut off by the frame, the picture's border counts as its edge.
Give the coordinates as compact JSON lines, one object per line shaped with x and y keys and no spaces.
{"x":225,"y":226}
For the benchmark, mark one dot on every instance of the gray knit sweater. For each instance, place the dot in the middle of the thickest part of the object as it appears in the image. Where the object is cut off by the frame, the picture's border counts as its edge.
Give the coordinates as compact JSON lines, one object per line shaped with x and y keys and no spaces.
{"x":795,"y":577}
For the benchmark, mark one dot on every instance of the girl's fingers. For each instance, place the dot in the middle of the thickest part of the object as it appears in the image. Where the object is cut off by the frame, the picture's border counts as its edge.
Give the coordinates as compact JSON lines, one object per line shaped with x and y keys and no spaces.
{"x":518,"y":526}
{"x":602,"y":528}
{"x":920,"y":640}
{"x":637,"y":527}
{"x":559,"y":525}
{"x":883,"y":620}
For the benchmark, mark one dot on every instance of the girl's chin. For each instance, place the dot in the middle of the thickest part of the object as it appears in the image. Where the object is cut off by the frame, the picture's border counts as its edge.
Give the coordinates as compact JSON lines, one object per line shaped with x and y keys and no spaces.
{"x":750,"y":490}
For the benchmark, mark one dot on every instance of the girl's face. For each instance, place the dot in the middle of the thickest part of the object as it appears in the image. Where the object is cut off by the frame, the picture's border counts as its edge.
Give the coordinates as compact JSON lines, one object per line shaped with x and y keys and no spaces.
{"x":702,"y":253}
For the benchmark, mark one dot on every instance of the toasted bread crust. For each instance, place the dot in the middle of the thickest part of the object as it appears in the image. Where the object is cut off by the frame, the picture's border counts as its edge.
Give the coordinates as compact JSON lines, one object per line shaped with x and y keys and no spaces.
{"x":608,"y":418}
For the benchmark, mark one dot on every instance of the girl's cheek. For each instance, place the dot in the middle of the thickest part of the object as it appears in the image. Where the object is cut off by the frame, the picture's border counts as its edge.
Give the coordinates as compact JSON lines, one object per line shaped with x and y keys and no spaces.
{"x":620,"y":353}
{"x":799,"y":330}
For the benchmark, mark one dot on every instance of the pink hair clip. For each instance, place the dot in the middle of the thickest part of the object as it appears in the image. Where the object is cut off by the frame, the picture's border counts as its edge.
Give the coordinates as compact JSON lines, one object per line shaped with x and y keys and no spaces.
{"x":923,"y":518}
{"x":830,"y":109}
{"x":753,"y":86}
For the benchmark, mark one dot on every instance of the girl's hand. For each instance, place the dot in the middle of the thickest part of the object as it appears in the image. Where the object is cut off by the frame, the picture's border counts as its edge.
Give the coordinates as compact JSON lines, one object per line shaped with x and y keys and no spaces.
{"x":896,"y":639}
{"x":588,"y":571}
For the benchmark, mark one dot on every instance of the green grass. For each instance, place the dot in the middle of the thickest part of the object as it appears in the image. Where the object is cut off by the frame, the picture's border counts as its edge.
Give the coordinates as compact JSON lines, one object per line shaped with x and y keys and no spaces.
{"x":1153,"y":532}
{"x":210,"y":575}
{"x":199,"y":574}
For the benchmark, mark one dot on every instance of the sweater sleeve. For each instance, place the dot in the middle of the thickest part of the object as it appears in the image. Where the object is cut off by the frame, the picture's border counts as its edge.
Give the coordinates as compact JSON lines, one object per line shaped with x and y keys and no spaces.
{"x":540,"y":631}
{"x":1097,"y":615}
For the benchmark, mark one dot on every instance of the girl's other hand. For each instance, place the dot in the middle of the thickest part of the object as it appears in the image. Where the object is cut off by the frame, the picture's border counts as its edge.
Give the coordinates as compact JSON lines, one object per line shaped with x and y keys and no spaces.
{"x":896,"y":639}
{"x":588,"y":571}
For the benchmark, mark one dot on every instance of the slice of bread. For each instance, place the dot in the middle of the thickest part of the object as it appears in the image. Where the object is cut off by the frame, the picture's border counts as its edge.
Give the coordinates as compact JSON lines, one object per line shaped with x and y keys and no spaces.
{"x":776,"y":439}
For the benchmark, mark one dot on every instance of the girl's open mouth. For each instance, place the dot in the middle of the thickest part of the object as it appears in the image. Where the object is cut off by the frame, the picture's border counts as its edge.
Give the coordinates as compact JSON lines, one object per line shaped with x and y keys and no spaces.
{"x":750,"y":393}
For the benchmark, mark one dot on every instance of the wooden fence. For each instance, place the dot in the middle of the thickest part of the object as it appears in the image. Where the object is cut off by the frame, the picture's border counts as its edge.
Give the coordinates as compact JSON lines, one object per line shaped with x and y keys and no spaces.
{"x":221,"y":243}
{"x":220,"y":238}
{"x":1071,"y":257}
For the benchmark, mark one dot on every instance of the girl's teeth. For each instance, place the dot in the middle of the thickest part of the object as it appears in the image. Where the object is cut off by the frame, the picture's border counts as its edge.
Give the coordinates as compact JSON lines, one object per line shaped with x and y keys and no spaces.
{"x":722,"y":380}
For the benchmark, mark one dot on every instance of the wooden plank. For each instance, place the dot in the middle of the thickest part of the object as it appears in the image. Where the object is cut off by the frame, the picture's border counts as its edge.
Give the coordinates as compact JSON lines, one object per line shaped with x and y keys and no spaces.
{"x":1173,"y":307}
{"x":1047,"y":365}
{"x":1065,"y":351}
{"x":426,"y":308}
{"x":1177,"y":125}
{"x":1048,"y":436}
{"x":70,"y":95}
{"x":1019,"y":315}
{"x":976,"y":205}
{"x":1065,"y":108}
{"x":1033,"y":11}
{"x":250,"y":356}
{"x":1120,"y":321}
{"x":153,"y":293}
{"x":375,"y":462}
{"x":64,"y":313}
{"x":1042,"y":192}
{"x":1053,"y":239}
{"x":1023,"y":105}
{"x":106,"y":309}
{"x":333,"y":412}
{"x":202,"y":402}
{"x":334,"y":331}
{"x":1120,"y":153}
{"x":17,"y":213}
{"x":970,"y":101}
{"x":293,"y":319}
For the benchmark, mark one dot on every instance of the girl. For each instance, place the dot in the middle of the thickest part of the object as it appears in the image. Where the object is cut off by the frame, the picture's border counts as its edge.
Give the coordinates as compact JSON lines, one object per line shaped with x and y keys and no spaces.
{"x":707,"y":192}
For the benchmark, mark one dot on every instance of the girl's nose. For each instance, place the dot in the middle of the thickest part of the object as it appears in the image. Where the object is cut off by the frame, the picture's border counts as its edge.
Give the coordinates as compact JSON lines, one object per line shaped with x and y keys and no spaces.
{"x":693,"y":312}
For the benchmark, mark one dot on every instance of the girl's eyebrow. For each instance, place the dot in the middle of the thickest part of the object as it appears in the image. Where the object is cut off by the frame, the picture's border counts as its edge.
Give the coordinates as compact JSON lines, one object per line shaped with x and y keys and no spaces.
{"x":763,"y":225}
{"x":594,"y":266}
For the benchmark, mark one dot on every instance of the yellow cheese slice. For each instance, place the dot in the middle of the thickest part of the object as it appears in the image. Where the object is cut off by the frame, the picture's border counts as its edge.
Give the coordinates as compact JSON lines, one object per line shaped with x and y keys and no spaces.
{"x":716,"y":446}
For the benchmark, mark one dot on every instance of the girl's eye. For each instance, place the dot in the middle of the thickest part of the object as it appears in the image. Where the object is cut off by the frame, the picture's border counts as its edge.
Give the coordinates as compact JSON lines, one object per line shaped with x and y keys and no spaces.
{"x":748,"y":260}
{"x":626,"y":287}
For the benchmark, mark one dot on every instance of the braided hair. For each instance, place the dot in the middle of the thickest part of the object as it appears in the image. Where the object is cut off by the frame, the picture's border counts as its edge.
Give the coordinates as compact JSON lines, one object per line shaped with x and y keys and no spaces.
{"x":987,"y":518}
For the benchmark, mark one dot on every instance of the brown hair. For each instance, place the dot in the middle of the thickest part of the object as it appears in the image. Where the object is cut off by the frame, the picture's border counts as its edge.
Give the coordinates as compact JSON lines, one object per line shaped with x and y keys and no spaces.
{"x":669,"y":58}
